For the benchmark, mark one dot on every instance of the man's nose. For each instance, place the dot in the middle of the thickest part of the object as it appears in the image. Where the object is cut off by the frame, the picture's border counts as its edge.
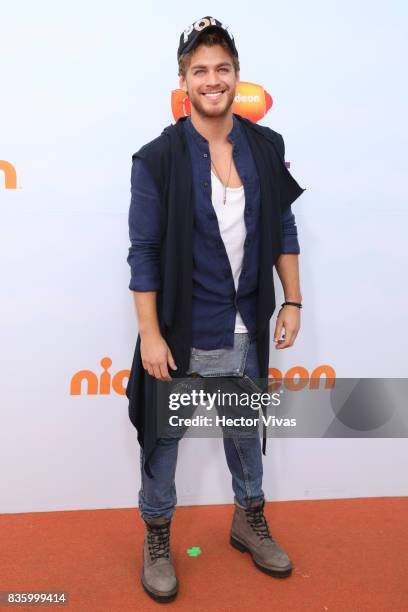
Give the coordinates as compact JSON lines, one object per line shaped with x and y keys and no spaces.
{"x":213,"y":78}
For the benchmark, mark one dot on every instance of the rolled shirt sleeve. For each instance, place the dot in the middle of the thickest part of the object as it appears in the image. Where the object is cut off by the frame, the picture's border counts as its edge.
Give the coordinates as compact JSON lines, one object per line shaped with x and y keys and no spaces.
{"x":290,"y":243}
{"x":144,"y":230}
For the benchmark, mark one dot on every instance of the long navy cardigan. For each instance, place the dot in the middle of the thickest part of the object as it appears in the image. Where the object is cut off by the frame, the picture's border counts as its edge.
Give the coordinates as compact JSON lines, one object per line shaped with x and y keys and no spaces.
{"x":168,"y":160}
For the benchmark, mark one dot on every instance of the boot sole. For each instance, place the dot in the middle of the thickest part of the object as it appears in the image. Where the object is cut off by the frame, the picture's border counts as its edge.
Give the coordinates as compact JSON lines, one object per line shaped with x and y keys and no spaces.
{"x":160,"y":598}
{"x":271,"y":572}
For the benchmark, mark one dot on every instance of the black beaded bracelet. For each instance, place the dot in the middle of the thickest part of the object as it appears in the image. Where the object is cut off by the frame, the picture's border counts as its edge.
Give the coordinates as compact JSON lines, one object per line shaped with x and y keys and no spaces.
{"x":291,"y":304}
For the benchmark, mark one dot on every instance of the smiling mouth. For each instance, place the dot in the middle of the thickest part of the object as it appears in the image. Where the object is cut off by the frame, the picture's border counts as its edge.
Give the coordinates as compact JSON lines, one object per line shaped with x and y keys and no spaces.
{"x":214,"y":95}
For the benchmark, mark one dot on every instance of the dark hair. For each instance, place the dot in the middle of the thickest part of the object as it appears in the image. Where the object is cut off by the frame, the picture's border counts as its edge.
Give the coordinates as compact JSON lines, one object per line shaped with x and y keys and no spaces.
{"x":209,"y":39}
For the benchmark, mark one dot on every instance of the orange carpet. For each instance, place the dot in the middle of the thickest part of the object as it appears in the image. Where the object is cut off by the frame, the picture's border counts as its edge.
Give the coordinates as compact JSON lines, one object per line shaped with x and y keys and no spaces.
{"x":347,"y":555}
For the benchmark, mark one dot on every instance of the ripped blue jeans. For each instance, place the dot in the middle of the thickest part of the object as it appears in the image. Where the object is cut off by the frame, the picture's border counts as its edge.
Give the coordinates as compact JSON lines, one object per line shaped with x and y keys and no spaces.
{"x":157,"y":495}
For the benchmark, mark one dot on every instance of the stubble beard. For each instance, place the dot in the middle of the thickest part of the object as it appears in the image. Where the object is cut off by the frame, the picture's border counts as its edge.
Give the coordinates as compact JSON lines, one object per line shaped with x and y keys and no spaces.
{"x":214,"y":113}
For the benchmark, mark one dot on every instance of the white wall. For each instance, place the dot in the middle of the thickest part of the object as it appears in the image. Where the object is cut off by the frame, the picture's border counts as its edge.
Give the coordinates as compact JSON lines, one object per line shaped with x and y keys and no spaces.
{"x":83,"y":86}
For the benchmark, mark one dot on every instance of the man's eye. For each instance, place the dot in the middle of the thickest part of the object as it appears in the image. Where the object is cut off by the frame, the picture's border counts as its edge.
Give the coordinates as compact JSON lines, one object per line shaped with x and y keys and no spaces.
{"x":197,"y":71}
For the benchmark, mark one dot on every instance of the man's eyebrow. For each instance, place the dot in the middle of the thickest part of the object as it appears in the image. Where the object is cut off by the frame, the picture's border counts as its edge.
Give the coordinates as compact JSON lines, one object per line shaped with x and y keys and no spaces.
{"x":217,"y":65}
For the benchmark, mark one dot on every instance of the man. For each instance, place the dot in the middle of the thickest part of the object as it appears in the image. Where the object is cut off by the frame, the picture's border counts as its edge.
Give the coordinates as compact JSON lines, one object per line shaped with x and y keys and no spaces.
{"x":210,"y":216}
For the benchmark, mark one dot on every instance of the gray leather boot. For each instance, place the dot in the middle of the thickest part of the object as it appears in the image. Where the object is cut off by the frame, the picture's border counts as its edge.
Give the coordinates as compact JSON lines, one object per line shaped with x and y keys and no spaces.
{"x":158,"y":575}
{"x":250,"y":533}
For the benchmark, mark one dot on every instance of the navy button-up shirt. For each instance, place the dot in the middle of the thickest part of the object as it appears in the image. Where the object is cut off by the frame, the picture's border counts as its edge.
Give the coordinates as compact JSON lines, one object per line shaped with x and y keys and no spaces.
{"x":215,"y":300}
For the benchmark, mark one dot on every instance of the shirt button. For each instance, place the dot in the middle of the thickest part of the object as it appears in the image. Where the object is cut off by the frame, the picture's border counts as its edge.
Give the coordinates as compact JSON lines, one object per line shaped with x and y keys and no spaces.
{"x":205,"y":154}
{"x":205,"y":184}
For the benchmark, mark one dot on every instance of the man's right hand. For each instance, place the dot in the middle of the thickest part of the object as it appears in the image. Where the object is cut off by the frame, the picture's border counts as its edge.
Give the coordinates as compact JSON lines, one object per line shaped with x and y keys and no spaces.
{"x":156,"y":355}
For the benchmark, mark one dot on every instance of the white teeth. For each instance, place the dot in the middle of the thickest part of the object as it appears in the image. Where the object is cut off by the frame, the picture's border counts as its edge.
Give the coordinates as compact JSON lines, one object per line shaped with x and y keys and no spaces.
{"x":213,"y":94}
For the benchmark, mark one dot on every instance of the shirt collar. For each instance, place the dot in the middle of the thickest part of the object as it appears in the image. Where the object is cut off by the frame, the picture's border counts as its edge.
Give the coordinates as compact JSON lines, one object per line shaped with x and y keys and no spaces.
{"x":233,"y":135}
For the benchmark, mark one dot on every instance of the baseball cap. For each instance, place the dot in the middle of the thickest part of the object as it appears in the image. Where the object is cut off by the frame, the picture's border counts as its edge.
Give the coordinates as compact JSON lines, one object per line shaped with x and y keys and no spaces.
{"x":190,"y":35}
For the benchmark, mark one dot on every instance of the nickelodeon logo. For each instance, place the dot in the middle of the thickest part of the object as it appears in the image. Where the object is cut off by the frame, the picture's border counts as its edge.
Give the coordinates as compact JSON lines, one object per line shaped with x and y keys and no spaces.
{"x":297,"y":378}
{"x":87,"y":382}
{"x":102,"y":384}
{"x":251,"y":101}
{"x":10,"y":175}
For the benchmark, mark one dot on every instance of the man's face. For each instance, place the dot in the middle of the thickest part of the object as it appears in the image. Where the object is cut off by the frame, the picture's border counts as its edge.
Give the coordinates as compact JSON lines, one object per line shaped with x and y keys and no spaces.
{"x":211,"y":70}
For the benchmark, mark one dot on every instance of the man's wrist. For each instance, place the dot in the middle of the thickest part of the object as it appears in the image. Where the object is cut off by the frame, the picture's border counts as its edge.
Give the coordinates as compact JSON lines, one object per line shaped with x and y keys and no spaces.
{"x":293,"y":298}
{"x":292,"y":304}
{"x":149,"y":332}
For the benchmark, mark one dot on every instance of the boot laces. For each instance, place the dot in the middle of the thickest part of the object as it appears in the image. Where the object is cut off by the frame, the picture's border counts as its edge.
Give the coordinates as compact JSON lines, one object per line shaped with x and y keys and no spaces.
{"x":258,"y":522}
{"x":158,"y":539}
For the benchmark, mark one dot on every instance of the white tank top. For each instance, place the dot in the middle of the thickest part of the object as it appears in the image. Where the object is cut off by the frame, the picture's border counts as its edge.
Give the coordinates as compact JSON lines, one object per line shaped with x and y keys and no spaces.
{"x":232,"y":229}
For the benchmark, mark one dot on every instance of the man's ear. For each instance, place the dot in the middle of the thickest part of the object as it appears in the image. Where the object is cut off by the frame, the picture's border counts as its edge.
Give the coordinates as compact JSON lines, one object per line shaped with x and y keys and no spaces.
{"x":183,"y":84}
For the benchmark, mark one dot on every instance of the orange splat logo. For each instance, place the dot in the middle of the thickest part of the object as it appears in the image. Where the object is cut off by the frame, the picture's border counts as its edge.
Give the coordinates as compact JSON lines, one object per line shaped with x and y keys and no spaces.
{"x":251,"y":101}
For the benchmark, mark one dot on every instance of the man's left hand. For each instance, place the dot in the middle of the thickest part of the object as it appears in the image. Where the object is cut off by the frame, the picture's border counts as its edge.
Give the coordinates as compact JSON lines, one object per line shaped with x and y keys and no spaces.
{"x":289,"y":320}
